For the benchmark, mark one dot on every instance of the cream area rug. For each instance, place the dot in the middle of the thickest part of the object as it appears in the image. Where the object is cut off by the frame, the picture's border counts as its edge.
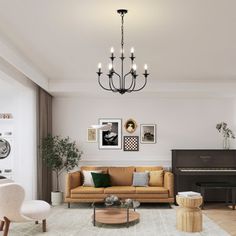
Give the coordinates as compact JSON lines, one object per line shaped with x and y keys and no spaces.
{"x":155,"y":220}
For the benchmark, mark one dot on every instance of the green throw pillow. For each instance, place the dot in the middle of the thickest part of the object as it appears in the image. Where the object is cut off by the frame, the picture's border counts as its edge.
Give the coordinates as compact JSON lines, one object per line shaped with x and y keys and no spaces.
{"x":101,"y":180}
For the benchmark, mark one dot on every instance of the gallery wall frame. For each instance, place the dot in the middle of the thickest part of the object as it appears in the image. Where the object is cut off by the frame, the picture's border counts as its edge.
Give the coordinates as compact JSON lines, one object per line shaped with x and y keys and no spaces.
{"x":148,"y":133}
{"x":92,"y":135}
{"x":110,"y":139}
{"x":131,"y":143}
{"x":130,"y":126}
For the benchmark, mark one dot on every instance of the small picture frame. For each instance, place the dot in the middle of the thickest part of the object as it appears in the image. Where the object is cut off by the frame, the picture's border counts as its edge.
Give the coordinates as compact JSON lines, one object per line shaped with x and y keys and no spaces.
{"x":130,"y":126}
{"x":111,"y":138}
{"x":148,"y":133}
{"x":91,"y":135}
{"x":131,"y":143}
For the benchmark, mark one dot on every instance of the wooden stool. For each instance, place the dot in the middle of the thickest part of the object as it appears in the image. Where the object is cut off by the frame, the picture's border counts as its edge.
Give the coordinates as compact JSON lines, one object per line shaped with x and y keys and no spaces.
{"x":189,"y":215}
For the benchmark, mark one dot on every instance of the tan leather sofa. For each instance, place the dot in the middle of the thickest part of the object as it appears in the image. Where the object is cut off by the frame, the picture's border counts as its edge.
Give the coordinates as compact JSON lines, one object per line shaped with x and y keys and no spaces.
{"x":121,"y":181}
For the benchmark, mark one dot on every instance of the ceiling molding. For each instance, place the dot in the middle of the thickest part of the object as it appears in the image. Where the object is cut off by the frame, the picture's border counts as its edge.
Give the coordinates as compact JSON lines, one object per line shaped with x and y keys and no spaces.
{"x":65,"y":88}
{"x":23,"y":65}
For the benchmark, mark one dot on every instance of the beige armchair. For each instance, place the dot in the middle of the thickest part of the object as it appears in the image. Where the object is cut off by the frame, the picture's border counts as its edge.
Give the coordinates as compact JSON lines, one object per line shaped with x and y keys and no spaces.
{"x":14,"y":209}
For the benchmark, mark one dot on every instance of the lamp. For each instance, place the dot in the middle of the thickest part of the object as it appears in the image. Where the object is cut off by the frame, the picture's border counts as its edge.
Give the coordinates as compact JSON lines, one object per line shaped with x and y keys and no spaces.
{"x":122,"y":77}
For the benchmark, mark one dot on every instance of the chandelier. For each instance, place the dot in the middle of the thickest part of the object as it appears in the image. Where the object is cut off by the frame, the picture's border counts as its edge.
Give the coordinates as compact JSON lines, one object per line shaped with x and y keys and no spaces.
{"x":123,"y":82}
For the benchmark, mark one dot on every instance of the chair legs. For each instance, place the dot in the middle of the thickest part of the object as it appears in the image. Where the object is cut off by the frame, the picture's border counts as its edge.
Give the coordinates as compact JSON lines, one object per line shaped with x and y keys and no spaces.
{"x":7,"y":224}
{"x":1,"y":225}
{"x":44,"y":225}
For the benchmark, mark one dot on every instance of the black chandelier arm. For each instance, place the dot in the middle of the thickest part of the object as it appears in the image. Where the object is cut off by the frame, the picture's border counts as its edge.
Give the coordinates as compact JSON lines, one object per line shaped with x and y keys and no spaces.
{"x":132,"y":86}
{"x":135,"y":90}
{"x":99,"y":81}
{"x":130,"y":72}
{"x":120,"y":79}
{"x":111,"y":84}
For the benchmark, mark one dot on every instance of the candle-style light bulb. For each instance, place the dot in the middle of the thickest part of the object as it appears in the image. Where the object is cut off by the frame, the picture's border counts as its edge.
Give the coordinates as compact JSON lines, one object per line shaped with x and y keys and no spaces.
{"x":110,"y":66}
{"x":134,"y":67}
{"x":99,"y":67}
{"x":145,"y":68}
{"x":122,"y":51}
{"x":132,"y":52}
{"x":112,"y":52}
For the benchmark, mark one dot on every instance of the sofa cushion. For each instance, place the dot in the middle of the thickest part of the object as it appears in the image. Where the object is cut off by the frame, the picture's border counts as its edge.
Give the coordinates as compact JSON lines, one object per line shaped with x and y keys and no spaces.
{"x":83,"y":189}
{"x":140,"y":179}
{"x":121,"y":176}
{"x":101,"y":180}
{"x":88,"y":179}
{"x":120,"y":189}
{"x":151,"y":190}
{"x":156,"y":178}
{"x":147,"y":168}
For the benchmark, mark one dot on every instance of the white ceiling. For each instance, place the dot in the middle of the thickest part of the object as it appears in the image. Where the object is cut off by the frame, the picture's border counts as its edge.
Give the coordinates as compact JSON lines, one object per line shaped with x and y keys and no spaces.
{"x":181,"y":40}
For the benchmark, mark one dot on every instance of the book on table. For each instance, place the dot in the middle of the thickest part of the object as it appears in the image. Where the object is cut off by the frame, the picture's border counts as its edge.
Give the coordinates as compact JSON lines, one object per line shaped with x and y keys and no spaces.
{"x":189,"y":194}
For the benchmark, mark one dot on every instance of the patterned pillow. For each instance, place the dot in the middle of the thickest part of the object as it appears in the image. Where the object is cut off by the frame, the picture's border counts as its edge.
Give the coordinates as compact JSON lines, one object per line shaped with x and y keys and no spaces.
{"x":140,"y":179}
{"x":88,"y":179}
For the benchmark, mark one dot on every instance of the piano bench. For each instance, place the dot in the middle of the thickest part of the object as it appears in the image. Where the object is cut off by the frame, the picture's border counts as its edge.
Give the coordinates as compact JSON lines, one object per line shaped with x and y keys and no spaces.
{"x":203,"y":186}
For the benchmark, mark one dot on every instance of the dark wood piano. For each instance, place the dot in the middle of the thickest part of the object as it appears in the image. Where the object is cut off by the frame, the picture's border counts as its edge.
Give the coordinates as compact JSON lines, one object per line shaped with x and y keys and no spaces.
{"x":201,"y":165}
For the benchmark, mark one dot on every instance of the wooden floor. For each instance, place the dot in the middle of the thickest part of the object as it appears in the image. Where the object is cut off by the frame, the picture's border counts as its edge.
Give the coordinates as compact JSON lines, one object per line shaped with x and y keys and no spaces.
{"x":224,"y":216}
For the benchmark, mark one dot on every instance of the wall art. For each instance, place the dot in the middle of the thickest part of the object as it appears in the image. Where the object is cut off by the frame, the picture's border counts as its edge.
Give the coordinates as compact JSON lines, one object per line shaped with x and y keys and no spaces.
{"x":91,"y":135}
{"x":148,"y":133}
{"x":130,"y":126}
{"x":112,"y":137}
{"x":131,"y":143}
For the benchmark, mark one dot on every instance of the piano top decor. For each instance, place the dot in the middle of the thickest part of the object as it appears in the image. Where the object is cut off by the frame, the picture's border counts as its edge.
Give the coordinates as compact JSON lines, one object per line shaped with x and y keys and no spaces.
{"x":227,"y":133}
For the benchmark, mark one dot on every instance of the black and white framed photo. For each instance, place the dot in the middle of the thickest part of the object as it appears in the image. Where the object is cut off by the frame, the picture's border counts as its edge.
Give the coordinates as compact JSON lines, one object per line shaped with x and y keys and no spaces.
{"x":148,"y":133}
{"x":112,"y":137}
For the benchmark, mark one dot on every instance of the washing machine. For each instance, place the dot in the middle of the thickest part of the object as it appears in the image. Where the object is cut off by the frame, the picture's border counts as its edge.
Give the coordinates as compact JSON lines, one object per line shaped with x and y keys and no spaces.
{"x":6,"y":154}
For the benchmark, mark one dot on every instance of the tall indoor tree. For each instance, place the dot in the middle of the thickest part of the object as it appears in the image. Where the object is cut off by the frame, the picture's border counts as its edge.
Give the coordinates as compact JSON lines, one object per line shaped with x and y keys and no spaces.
{"x":60,"y":154}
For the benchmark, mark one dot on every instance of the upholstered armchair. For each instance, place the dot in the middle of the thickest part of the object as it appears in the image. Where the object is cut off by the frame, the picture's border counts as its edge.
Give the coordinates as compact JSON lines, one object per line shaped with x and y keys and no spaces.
{"x":14,"y":209}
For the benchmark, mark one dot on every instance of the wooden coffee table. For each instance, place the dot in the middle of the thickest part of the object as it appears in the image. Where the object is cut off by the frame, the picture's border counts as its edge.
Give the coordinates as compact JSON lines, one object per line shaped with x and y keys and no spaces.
{"x":114,"y":214}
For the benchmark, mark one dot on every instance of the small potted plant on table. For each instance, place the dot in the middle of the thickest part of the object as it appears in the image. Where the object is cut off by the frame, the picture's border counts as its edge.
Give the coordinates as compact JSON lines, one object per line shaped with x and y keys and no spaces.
{"x":60,"y":155}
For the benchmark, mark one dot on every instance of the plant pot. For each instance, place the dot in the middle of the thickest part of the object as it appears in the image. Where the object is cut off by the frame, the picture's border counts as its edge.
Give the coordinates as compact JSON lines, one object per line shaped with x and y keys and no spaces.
{"x":56,"y":198}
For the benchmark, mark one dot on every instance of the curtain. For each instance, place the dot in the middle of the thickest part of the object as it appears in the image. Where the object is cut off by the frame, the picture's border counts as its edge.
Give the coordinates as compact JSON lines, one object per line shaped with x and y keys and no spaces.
{"x":44,"y":174}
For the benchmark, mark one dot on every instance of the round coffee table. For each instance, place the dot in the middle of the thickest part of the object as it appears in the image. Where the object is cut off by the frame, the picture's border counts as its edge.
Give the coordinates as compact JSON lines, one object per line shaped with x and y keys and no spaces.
{"x":189,"y":215}
{"x":117,"y":214}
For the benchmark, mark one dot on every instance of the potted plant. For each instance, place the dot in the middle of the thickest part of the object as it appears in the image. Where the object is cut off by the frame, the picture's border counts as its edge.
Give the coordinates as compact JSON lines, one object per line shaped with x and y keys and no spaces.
{"x":226,"y":132}
{"x":60,"y":155}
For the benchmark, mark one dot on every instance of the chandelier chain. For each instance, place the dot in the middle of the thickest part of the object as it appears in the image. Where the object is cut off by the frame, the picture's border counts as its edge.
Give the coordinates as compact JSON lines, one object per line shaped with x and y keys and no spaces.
{"x":122,"y":32}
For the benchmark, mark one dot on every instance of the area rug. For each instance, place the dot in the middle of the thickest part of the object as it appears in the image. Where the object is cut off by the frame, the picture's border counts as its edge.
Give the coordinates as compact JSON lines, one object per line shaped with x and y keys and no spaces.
{"x":77,"y":221}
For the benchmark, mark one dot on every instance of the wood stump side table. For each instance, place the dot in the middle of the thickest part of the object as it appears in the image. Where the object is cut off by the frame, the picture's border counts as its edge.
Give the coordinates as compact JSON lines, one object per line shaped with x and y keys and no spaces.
{"x":189,"y":215}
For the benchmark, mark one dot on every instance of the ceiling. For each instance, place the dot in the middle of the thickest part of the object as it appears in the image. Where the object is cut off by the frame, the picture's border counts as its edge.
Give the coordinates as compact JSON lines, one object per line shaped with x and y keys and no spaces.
{"x":184,"y":40}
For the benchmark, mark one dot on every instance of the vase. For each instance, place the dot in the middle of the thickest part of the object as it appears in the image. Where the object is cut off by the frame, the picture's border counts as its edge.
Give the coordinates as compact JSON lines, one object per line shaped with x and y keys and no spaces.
{"x":56,"y":198}
{"x":226,"y":143}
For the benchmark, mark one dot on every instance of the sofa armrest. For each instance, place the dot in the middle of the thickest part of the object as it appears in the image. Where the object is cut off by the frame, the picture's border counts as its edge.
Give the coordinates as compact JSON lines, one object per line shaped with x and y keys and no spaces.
{"x":169,"y":183}
{"x":73,"y":180}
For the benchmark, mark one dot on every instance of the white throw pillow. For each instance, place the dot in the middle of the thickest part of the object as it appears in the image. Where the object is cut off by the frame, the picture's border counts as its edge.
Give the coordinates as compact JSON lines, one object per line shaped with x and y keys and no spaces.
{"x":88,"y":179}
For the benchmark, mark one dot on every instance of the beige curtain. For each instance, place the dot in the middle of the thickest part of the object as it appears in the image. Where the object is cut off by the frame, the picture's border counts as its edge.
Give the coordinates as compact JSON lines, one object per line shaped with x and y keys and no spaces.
{"x":44,"y":175}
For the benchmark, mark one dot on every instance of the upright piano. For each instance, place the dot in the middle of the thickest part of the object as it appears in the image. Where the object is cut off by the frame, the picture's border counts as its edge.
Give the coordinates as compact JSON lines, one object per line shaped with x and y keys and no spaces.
{"x":203,"y":165}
